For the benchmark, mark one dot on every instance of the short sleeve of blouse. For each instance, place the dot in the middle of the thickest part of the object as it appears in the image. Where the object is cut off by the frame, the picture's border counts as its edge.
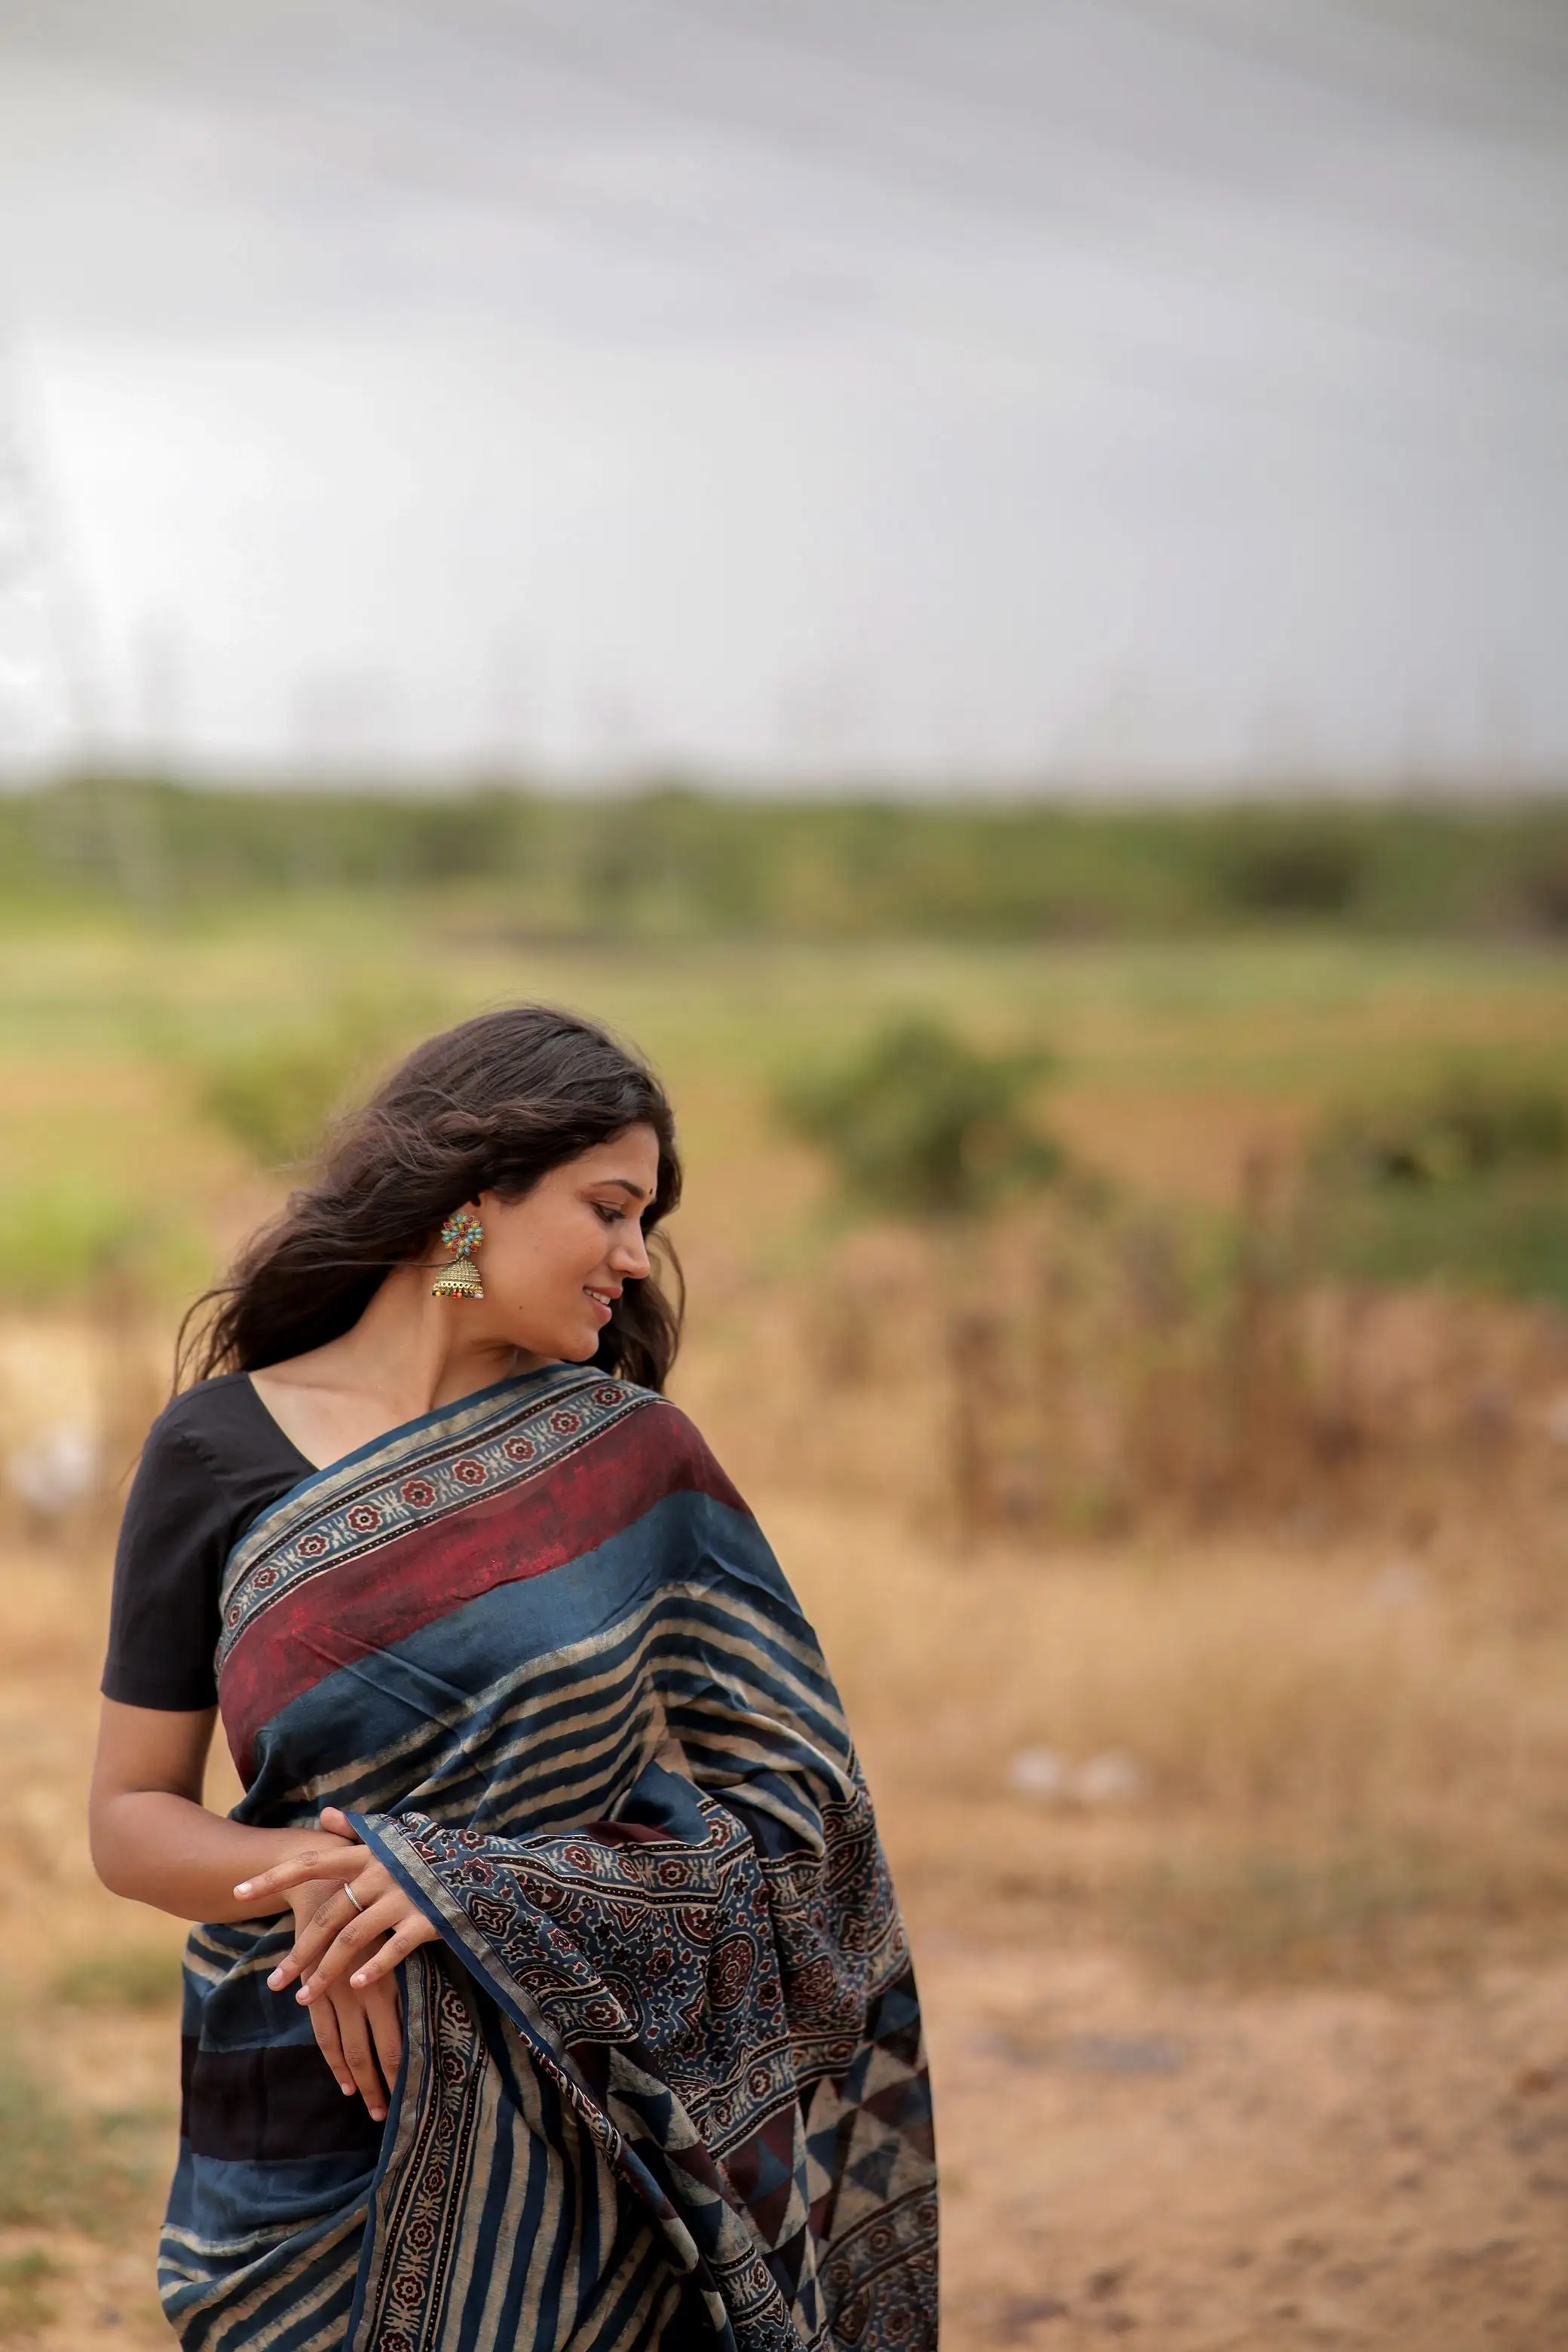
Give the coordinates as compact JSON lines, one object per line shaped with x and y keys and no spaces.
{"x":214,"y":1460}
{"x":168,"y":1569}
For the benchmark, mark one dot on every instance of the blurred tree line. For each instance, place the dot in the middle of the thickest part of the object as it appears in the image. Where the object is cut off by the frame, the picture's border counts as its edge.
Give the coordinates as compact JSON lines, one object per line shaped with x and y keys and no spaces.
{"x":672,"y":862}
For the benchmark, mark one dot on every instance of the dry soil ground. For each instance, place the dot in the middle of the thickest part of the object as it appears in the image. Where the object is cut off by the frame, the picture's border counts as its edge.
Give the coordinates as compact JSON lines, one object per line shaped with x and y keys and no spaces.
{"x":1275,"y":2170}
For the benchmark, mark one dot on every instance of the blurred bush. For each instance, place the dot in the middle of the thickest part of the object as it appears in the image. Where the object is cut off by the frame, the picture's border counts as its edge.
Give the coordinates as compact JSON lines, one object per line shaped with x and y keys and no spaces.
{"x":58,"y":1241}
{"x":1464,"y":1181}
{"x":1472,"y":1123}
{"x":1294,"y":867}
{"x":275,"y":1096}
{"x":1064,"y":1373}
{"x":1542,"y":894}
{"x":275,"y":1099}
{"x":920,"y":1123}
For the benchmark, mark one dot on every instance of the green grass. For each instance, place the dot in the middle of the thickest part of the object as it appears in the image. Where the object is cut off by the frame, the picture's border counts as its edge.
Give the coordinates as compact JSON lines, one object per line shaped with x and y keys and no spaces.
{"x":1509,"y":1237}
{"x":26,"y":2299}
{"x":1267,"y":1011}
{"x":132,"y":1976}
{"x":56,"y":2170}
{"x":113,"y":1134}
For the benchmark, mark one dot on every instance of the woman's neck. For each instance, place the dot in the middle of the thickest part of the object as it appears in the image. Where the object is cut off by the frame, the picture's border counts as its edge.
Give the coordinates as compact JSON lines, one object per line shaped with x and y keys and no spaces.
{"x":407,"y":1355}
{"x":422,"y":1351}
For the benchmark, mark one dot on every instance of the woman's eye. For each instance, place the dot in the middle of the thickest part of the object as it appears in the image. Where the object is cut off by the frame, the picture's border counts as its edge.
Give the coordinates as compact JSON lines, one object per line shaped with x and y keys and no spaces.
{"x":606,"y":1215}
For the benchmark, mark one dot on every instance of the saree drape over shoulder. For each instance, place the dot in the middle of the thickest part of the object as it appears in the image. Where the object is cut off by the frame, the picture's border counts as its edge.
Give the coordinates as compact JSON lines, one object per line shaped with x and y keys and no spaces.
{"x":663,"y":2079}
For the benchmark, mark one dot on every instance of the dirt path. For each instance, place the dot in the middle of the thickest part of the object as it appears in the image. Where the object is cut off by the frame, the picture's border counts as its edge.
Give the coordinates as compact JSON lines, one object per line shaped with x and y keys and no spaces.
{"x":1334,"y":2168}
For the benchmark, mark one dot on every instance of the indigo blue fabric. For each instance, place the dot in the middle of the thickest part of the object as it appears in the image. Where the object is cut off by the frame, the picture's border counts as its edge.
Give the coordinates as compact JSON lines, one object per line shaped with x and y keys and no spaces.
{"x":663,"y":2077}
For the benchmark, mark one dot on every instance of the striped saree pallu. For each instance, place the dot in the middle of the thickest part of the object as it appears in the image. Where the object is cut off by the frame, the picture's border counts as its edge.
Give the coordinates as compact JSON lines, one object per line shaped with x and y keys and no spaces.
{"x":663,"y":2077}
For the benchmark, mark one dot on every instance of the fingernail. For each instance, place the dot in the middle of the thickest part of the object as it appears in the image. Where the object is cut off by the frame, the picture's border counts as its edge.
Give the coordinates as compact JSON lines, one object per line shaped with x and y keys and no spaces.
{"x":360,"y":1978}
{"x":276,"y":1980}
{"x":347,"y":2089}
{"x":244,"y":1887}
{"x":378,"y":2115}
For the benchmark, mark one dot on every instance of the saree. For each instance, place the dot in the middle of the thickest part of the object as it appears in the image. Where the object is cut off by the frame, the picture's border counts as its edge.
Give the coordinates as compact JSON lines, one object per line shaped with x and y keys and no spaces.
{"x":663,"y":2079}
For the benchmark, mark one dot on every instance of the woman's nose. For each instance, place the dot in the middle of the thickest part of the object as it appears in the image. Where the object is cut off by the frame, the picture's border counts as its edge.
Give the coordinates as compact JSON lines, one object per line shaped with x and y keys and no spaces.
{"x":629,"y":1255}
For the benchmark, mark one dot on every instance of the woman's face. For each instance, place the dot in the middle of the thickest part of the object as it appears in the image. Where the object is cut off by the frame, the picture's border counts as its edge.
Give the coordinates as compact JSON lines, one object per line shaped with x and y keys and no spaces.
{"x":553,"y":1262}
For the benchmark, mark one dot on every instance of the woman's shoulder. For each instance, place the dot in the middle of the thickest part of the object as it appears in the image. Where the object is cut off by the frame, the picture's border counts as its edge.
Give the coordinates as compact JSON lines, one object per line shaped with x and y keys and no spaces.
{"x":204,"y":1406}
{"x":658,"y":1412}
{"x":221,"y":1423}
{"x":684,"y":1455}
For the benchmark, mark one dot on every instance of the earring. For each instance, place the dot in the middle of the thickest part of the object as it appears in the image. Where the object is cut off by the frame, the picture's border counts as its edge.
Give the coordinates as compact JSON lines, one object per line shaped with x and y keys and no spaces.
{"x":463,"y":1233}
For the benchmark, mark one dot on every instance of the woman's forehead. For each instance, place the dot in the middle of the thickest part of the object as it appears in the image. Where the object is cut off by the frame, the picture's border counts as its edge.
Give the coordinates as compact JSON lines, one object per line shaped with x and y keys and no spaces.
{"x":631,"y":1158}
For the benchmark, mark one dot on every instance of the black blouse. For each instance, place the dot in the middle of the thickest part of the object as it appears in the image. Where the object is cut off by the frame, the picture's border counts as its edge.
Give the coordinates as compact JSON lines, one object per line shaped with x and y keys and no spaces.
{"x":214,"y":1459}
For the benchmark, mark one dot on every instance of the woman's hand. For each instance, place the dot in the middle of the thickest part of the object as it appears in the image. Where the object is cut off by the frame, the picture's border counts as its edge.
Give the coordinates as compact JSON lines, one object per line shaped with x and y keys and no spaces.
{"x":368,"y":1932}
{"x":360,"y":2034}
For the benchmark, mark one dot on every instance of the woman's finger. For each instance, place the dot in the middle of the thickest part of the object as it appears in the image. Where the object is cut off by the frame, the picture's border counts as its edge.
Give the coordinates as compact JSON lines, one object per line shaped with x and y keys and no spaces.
{"x":335,"y":1859}
{"x":337,"y":1910}
{"x":404,"y":1939}
{"x":329,"y":2043}
{"x":354,"y":2030}
{"x":349,"y":1946}
{"x":384,"y":2008}
{"x":334,"y":1912}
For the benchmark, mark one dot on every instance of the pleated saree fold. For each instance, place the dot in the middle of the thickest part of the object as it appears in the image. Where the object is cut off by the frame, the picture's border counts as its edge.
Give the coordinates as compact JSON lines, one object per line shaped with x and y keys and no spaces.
{"x":664,"y":2078}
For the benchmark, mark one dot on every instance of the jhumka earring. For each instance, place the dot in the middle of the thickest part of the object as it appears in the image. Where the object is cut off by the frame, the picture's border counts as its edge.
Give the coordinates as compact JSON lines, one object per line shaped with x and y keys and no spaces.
{"x":462,"y":1232}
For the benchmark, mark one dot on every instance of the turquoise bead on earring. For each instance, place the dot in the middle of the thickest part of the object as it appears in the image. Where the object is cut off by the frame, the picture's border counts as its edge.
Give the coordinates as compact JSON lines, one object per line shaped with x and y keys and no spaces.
{"x":461,"y":1233}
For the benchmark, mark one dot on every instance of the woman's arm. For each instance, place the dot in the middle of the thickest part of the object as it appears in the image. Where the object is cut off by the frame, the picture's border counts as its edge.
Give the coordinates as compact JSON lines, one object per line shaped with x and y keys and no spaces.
{"x":153,"y":1838}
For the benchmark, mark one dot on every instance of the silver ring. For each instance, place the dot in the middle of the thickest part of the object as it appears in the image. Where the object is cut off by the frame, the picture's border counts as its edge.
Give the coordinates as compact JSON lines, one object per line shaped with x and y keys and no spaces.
{"x":353,"y":1898}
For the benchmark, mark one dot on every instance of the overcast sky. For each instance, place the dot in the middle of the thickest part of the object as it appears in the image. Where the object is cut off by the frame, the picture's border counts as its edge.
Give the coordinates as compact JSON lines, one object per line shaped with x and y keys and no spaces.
{"x":1150,"y":391}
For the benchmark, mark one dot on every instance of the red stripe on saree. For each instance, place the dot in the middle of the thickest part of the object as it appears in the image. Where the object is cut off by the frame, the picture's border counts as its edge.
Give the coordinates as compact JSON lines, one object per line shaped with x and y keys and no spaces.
{"x":392,"y":1590}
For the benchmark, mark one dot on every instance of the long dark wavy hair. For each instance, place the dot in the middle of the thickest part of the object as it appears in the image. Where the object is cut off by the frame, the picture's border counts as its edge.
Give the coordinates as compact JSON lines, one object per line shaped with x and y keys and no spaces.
{"x":490,"y":1106}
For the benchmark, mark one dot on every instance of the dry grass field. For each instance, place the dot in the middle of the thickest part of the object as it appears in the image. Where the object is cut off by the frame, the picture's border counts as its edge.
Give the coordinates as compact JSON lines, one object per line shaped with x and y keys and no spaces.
{"x":1229,"y":1818}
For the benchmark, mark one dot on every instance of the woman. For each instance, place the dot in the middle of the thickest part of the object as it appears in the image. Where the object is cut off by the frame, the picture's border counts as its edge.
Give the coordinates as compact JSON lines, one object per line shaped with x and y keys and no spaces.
{"x":551,"y":1989}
